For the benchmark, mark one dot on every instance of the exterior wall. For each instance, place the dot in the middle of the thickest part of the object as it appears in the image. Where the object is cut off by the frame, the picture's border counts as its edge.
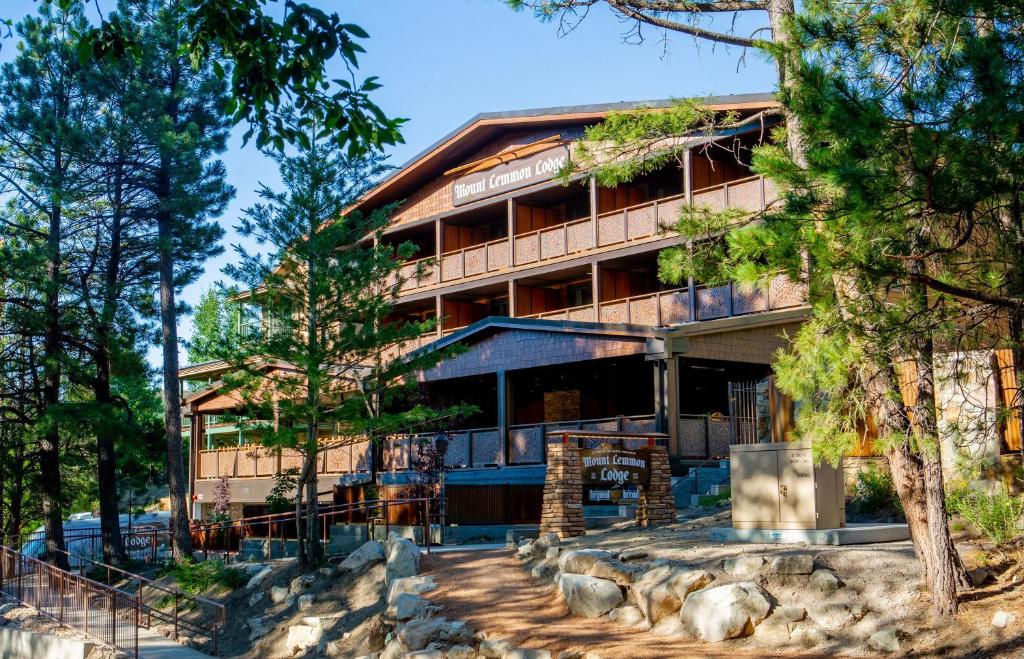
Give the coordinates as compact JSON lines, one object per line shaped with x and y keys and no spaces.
{"x":756,"y":345}
{"x":435,"y":198}
{"x":516,"y":349}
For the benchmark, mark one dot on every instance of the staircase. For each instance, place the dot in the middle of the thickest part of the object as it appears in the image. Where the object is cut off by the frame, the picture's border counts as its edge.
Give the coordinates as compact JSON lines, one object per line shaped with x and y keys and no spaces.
{"x":709,"y":478}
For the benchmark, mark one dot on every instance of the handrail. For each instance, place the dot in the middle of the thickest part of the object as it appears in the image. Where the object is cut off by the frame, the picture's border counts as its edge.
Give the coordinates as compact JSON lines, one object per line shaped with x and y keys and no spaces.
{"x":642,"y":204}
{"x":633,"y":298}
{"x":553,"y":227}
{"x":554,"y":312}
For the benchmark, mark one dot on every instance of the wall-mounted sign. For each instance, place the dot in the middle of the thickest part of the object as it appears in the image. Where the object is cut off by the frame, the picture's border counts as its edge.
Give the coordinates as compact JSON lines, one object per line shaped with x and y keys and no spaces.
{"x":611,"y":474}
{"x":510,"y":175}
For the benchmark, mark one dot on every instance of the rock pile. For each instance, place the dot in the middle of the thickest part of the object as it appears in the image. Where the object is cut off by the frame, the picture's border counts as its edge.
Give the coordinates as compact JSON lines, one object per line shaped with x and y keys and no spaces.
{"x":691,"y":602}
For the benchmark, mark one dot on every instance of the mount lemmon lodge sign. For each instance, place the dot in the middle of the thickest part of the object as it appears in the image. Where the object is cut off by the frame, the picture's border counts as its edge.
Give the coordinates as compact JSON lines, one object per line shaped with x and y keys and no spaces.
{"x":509,"y":176}
{"x":613,"y":474}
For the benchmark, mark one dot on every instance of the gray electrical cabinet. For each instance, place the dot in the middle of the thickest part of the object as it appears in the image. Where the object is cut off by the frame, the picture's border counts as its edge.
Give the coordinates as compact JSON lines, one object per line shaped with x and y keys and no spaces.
{"x":778,"y":486}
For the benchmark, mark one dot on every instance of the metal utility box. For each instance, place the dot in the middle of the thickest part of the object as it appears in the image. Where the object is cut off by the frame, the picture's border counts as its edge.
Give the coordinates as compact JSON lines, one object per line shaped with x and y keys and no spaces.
{"x":778,"y":486}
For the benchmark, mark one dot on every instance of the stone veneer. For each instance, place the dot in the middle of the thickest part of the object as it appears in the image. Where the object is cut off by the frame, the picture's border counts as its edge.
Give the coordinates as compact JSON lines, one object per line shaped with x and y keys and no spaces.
{"x":562,"y":509}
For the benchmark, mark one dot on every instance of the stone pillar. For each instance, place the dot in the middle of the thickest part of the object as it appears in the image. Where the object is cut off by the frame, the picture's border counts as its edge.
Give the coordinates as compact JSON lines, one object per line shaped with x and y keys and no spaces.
{"x":657,"y":507}
{"x":562,"y":509}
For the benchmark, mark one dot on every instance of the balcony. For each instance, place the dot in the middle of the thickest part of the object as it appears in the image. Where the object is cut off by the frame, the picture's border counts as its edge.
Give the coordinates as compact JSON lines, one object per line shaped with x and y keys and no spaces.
{"x":632,"y":224}
{"x":583,"y":312}
{"x":255,"y":461}
{"x":674,"y":307}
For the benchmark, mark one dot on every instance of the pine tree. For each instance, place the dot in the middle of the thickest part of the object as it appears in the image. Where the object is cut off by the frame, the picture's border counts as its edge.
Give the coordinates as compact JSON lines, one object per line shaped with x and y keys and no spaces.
{"x":327,"y":291}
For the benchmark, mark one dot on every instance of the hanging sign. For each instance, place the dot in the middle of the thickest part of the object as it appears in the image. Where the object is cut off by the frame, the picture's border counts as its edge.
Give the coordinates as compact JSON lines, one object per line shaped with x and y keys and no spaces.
{"x":511,"y":175}
{"x":612,"y":474}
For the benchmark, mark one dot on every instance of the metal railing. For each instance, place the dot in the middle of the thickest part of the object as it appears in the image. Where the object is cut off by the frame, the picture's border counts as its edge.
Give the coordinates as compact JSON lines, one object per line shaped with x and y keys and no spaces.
{"x":225,"y":538}
{"x":100,"y":611}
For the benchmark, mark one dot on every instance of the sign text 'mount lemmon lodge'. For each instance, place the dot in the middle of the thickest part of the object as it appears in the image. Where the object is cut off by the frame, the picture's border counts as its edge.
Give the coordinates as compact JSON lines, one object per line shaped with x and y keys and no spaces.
{"x":509,"y":176}
{"x":612,"y":474}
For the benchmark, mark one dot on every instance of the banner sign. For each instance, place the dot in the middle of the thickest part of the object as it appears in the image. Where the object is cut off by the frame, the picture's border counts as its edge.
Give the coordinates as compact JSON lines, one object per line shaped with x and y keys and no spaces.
{"x":508,"y":176}
{"x":611,"y":474}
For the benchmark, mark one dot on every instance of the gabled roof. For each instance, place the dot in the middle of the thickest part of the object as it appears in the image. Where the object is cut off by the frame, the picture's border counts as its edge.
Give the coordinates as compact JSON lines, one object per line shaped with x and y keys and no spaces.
{"x":464,"y":140}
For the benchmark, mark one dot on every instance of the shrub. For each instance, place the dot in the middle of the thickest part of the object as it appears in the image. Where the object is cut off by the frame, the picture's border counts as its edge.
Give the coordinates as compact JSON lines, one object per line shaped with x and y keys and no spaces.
{"x":999,"y":516}
{"x":874,"y":492}
{"x":195,"y":577}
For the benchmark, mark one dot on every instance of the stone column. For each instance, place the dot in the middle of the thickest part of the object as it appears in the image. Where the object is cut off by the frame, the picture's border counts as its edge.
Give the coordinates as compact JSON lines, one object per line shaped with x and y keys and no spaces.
{"x":562,"y":509}
{"x":657,"y":507}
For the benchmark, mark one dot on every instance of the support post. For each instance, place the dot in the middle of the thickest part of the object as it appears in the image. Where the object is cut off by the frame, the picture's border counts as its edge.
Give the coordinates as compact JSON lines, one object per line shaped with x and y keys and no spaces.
{"x":660,"y":395}
{"x":688,"y":176}
{"x":672,"y":404}
{"x":511,"y":298}
{"x":438,"y":309}
{"x":691,"y":286}
{"x":503,"y":409}
{"x":511,"y":219}
{"x":592,"y":182}
{"x":595,"y":289}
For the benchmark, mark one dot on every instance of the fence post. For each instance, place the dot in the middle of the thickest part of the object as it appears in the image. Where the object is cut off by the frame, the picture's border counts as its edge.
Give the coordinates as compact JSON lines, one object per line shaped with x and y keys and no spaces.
{"x":175,"y":615}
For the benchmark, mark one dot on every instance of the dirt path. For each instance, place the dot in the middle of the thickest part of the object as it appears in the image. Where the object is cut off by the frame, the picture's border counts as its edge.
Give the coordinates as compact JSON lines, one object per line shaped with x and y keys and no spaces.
{"x":490,"y":590}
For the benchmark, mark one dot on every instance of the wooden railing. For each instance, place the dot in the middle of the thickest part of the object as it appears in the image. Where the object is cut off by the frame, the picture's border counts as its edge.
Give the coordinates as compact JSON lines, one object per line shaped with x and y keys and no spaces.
{"x":255,"y":461}
{"x":475,"y":260}
{"x":583,"y":312}
{"x":622,"y":226}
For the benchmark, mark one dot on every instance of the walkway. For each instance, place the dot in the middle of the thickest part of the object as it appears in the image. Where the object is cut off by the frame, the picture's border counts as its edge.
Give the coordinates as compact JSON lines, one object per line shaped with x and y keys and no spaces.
{"x":155,"y":646}
{"x":491,"y":591}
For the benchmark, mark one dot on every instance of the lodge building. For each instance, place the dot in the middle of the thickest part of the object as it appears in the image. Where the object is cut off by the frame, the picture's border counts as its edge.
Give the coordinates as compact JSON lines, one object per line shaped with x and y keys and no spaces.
{"x":553,"y":290}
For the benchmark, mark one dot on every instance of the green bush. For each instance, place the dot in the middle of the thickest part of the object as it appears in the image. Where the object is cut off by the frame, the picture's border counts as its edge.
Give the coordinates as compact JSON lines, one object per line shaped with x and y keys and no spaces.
{"x":195,"y":577}
{"x":874,"y":492}
{"x":999,"y":516}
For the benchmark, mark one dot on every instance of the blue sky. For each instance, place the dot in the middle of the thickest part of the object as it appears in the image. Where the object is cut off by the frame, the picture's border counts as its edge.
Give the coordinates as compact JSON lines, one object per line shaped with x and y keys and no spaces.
{"x":443,"y":61}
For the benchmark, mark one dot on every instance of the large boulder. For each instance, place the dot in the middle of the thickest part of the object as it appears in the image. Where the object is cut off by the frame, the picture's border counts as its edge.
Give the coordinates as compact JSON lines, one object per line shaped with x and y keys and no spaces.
{"x":416,"y":585}
{"x":418,"y":634}
{"x":301,"y":638}
{"x":653,"y":594}
{"x":368,"y":553}
{"x":684,"y":582}
{"x":722,"y":612}
{"x":546,"y":541}
{"x":792,"y":564}
{"x":626,"y":615}
{"x":743,"y":567}
{"x":408,"y":606}
{"x":545,"y":569}
{"x":825,"y":580}
{"x":258,"y":578}
{"x":259,"y":626}
{"x":614,"y":570}
{"x":589,"y":597}
{"x":403,"y":560}
{"x":579,"y":561}
{"x":302,"y":583}
{"x":278,"y":594}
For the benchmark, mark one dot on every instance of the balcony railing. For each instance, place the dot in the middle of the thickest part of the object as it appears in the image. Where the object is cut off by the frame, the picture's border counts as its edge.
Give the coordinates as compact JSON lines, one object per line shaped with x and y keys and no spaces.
{"x":475,"y":260}
{"x":674,"y":307}
{"x":255,"y":461}
{"x":618,"y":227}
{"x":583,"y":313}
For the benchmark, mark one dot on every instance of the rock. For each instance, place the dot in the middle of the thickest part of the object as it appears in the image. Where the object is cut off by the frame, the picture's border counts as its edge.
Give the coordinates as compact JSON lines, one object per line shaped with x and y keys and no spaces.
{"x":259,"y":577}
{"x":302,"y":637}
{"x":461,"y":652}
{"x":418,"y":634}
{"x":278,"y":594}
{"x":544,"y":542}
{"x":525,"y":551}
{"x":326,"y":571}
{"x":429,"y":653}
{"x":682,"y":583}
{"x":722,"y":612}
{"x":669,"y":626}
{"x":392,"y":650}
{"x":743,"y":566}
{"x":301,"y":583}
{"x":526,"y":653}
{"x":314,"y":621}
{"x":545,"y":569}
{"x":408,"y":606}
{"x":660,"y":562}
{"x":885,"y":640}
{"x":653,"y":594}
{"x":579,"y":561}
{"x":834,"y":616}
{"x":781,"y":629}
{"x":252,"y":569}
{"x":458,"y":632}
{"x":792,"y":564}
{"x":626,"y":615}
{"x":403,"y":560}
{"x":788,"y":614}
{"x":256,"y":598}
{"x":632,"y":554}
{"x":979,"y":576}
{"x":1003,"y":619}
{"x":825,"y":580}
{"x":614,"y":570}
{"x":369,"y":553}
{"x":305,"y":602}
{"x":494,"y":648}
{"x":416,"y":585}
{"x":570,"y":654}
{"x":589,"y":597}
{"x":7,"y":607}
{"x":552,"y":552}
{"x":259,"y":626}
{"x":289,"y":601}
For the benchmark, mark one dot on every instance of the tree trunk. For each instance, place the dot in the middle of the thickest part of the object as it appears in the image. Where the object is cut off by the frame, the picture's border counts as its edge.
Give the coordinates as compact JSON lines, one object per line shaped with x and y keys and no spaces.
{"x":49,"y":444}
{"x":786,"y":63}
{"x":106,"y":462}
{"x":180,"y":532}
